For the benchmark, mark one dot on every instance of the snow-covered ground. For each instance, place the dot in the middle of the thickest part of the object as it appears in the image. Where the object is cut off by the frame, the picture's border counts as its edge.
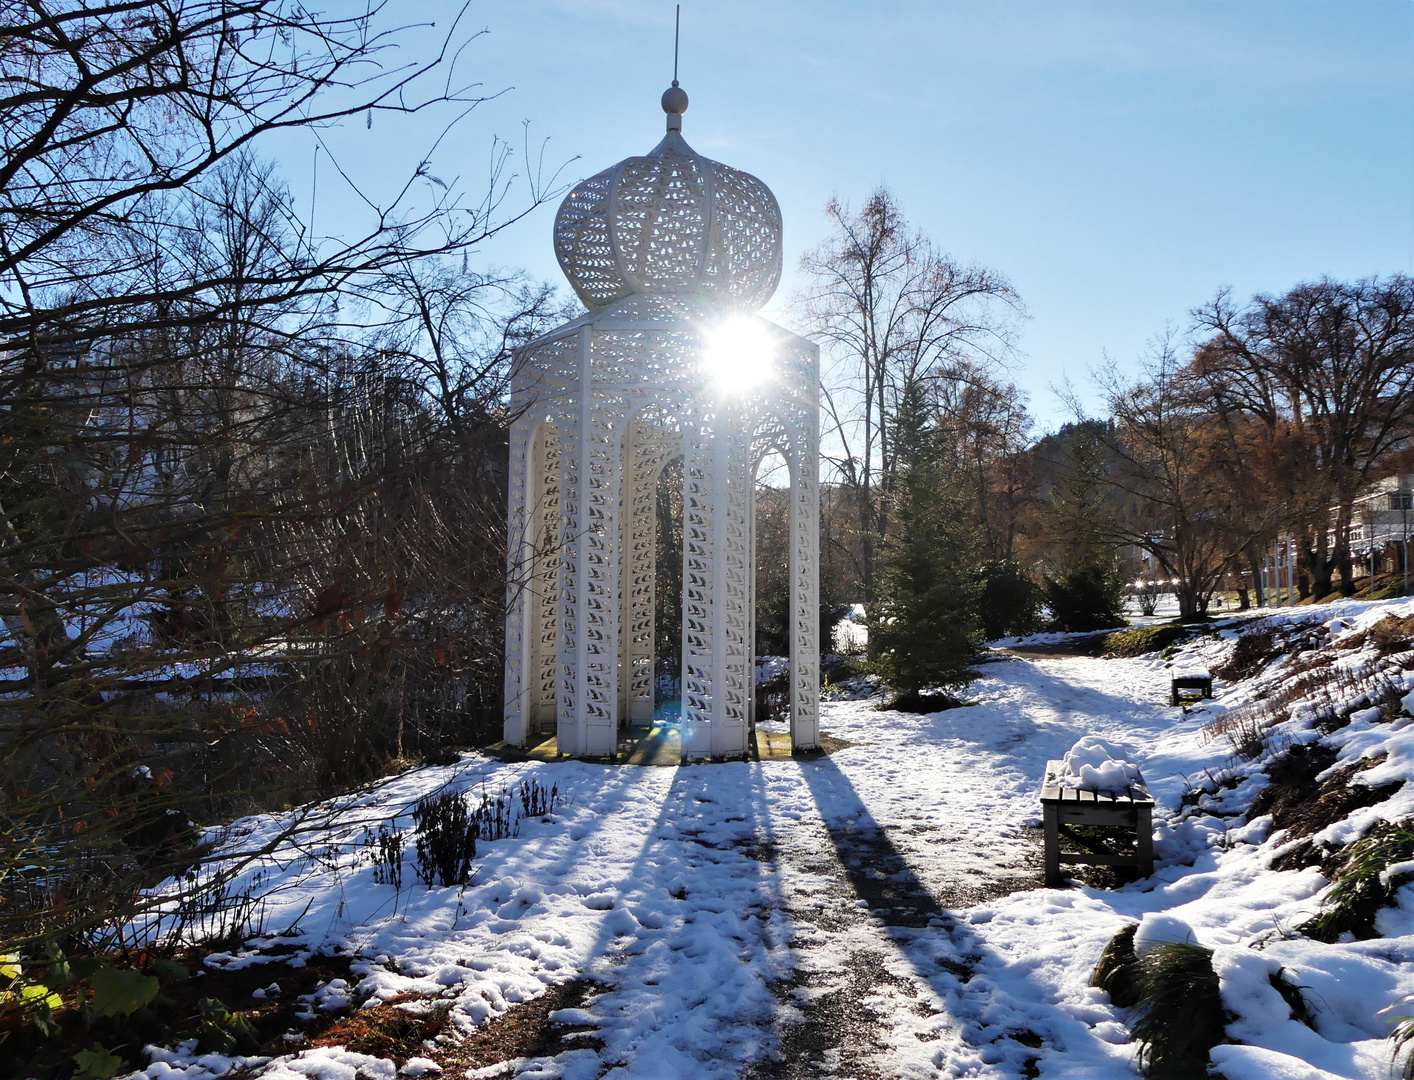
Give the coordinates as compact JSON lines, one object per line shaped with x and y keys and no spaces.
{"x":873,"y":912}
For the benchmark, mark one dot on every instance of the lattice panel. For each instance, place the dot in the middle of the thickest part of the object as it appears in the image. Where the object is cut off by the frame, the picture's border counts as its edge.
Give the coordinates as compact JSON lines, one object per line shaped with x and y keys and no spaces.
{"x":734,"y":555}
{"x":599,"y":544}
{"x":582,"y":242}
{"x":547,"y":596}
{"x":656,"y":440}
{"x":697,"y":547}
{"x":671,"y":221}
{"x":805,"y":602}
{"x":658,"y":250}
{"x":745,"y":261}
{"x":567,"y":422}
{"x":516,"y":599}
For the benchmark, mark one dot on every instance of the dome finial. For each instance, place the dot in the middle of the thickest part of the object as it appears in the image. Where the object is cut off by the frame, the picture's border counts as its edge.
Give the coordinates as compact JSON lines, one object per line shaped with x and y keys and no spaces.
{"x":675,"y":98}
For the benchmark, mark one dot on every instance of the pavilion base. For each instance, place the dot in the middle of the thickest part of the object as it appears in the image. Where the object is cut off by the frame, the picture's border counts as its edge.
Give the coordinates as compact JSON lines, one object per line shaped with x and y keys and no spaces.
{"x":655,"y":744}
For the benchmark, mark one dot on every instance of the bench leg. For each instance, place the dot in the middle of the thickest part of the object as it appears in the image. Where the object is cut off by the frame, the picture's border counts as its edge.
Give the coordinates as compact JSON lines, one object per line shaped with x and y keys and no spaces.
{"x":1144,"y":841}
{"x":1051,"y":820}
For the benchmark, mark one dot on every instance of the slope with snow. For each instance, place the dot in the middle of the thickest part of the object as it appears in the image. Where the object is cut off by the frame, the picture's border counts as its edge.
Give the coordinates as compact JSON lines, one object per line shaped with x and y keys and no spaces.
{"x":873,"y":912}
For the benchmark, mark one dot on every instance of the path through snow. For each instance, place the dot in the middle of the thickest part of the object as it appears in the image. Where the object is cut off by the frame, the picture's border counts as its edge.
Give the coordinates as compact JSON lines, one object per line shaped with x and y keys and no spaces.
{"x":786,"y":918}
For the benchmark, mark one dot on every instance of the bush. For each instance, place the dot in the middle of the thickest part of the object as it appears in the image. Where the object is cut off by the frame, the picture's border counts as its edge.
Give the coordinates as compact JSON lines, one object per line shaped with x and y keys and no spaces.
{"x":1138,"y":640}
{"x":1362,"y":887}
{"x":1091,"y":598}
{"x":445,"y":836}
{"x":1181,"y":1011}
{"x":1115,"y":974}
{"x":1011,"y":602}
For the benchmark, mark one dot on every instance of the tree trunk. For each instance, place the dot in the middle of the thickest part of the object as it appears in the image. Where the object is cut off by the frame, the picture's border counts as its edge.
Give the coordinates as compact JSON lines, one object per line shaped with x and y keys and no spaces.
{"x":1258,"y":590}
{"x":1346,"y":567}
{"x":1189,"y":601}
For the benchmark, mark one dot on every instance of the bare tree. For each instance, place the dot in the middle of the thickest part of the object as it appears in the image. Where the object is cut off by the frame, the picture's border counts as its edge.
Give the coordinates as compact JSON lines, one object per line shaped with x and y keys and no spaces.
{"x":894,"y":313}
{"x":250,"y":482}
{"x":983,"y":421}
{"x":1181,"y":474}
{"x":1328,"y":370}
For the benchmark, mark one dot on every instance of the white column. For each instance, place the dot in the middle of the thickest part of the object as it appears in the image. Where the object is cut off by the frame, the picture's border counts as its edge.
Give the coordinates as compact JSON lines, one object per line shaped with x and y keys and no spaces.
{"x":698,"y":553}
{"x":752,"y":467}
{"x":519,"y":561}
{"x":640,"y":585}
{"x":601,"y":465}
{"x":731,"y":565}
{"x":805,"y":594}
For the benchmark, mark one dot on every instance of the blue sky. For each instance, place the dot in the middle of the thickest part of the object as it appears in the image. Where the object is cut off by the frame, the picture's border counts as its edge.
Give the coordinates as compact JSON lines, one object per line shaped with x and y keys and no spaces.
{"x":1119,"y":161}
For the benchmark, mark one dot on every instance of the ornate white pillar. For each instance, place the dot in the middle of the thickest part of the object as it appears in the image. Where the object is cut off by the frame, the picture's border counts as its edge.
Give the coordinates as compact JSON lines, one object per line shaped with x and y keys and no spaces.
{"x":669,"y":252}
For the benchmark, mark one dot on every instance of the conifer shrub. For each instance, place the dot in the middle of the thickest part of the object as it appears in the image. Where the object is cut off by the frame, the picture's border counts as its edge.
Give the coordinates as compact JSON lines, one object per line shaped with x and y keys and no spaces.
{"x":1011,"y":604}
{"x":924,"y":630}
{"x":1087,"y":598}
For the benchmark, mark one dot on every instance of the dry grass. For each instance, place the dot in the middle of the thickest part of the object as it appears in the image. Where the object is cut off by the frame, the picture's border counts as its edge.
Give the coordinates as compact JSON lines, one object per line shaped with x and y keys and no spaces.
{"x":1331,"y":692}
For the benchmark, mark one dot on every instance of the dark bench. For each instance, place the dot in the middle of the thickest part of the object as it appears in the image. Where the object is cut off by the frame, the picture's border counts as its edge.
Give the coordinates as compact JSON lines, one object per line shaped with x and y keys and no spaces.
{"x":1061,"y":807}
{"x":1192,"y":683}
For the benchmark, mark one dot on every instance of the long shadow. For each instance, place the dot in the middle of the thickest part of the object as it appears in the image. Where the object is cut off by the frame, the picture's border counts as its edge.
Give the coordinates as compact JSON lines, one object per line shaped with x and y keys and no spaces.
{"x":636,"y":962}
{"x":908,"y":912}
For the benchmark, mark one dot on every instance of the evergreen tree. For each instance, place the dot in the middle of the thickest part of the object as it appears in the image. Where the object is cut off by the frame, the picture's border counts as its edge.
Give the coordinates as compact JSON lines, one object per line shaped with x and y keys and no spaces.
{"x":1084,"y":587}
{"x":923,"y":629}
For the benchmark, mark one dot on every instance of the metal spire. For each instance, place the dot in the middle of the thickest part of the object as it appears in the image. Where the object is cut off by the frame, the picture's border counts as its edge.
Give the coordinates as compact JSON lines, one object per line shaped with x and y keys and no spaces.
{"x":675,"y":97}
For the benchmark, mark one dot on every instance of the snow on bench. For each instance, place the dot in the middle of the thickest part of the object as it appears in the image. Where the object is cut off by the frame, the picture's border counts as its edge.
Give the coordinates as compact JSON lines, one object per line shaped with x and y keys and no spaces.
{"x":1191,"y":677}
{"x":1094,"y":784}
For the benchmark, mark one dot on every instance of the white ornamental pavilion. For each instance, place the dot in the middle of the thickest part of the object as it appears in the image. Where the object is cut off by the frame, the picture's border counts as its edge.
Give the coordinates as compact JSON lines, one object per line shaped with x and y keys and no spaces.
{"x":672,"y":254}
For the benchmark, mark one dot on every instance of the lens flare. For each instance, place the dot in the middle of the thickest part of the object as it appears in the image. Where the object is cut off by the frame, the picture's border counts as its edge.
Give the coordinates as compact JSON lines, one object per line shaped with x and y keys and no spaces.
{"x":739,"y":355}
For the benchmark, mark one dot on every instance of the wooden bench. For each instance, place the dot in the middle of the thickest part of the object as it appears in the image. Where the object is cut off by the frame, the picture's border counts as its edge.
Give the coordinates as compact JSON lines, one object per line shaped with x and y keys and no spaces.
{"x":1062,"y":807}
{"x":1196,"y":680}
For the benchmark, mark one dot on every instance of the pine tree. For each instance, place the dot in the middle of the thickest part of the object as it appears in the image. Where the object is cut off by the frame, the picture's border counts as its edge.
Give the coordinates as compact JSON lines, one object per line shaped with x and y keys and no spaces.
{"x":1085,"y":590}
{"x":923,"y":629}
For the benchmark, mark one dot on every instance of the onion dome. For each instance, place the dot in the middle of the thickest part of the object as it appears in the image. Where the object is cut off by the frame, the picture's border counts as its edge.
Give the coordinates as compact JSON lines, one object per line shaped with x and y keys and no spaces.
{"x":671,"y":222}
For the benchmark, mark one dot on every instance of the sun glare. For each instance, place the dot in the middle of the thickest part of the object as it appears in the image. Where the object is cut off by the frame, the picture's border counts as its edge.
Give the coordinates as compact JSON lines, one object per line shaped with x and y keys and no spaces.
{"x":739,"y":355}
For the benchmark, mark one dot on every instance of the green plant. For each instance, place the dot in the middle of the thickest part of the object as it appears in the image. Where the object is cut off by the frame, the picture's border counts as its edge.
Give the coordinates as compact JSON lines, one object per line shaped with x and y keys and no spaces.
{"x":1088,"y":598}
{"x":222,"y":1031}
{"x":1361,"y":886}
{"x":96,"y":1064}
{"x":1138,"y":640}
{"x":1181,"y":1015}
{"x":121,"y":991}
{"x":1011,"y":603}
{"x":1402,"y":1036}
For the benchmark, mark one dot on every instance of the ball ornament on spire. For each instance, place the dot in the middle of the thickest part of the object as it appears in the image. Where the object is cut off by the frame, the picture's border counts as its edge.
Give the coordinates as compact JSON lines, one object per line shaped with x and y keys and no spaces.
{"x":675,"y":104}
{"x":670,"y":222}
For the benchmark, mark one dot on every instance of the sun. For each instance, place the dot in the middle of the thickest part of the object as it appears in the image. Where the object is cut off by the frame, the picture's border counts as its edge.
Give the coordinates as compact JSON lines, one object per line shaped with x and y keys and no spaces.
{"x":740,"y":354}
